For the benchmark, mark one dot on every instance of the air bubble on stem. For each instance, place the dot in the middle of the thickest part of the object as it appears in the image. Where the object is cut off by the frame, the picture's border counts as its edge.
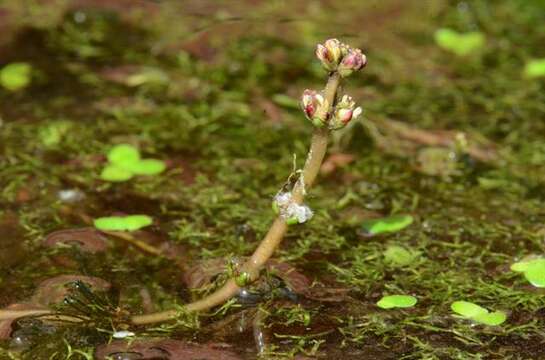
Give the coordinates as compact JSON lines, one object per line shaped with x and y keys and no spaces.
{"x":290,"y":210}
{"x":282,"y":199}
{"x":300,"y":212}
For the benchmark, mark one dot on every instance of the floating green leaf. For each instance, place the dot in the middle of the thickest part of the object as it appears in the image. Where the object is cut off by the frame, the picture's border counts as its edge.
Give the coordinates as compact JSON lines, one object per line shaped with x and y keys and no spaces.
{"x":115,"y":174}
{"x":399,"y":256}
{"x":535,"y":274}
{"x":477,"y":313}
{"x":125,"y":162}
{"x":123,"y":154}
{"x":533,"y":269}
{"x":524,"y":265}
{"x":467,"y":309}
{"x":520,"y":266}
{"x":122,"y":223}
{"x":396,"y":301}
{"x":535,"y":68}
{"x":459,"y":43}
{"x":388,"y":224}
{"x":147,"y":167}
{"x":15,"y":76}
{"x":493,"y":319}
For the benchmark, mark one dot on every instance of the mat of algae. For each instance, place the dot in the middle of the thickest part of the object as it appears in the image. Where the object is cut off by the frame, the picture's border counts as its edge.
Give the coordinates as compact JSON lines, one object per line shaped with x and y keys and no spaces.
{"x":211,"y":88}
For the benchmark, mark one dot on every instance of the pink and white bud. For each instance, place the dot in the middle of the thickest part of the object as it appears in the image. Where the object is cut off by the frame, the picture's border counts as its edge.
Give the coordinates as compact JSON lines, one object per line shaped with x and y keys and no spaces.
{"x":330,"y":54}
{"x":354,"y":60}
{"x":345,"y":115}
{"x":344,"y":112}
{"x":315,"y":107}
{"x":308,"y":103}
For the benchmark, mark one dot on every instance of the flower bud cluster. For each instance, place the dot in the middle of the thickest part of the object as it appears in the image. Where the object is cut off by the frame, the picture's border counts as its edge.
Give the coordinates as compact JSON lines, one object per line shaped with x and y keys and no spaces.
{"x":344,"y":60}
{"x":316,"y":109}
{"x":336,"y":56}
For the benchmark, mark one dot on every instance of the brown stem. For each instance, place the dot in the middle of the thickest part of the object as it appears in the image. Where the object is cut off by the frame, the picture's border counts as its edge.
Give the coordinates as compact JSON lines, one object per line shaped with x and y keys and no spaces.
{"x":15,"y":314}
{"x":136,"y":242}
{"x":277,"y":230}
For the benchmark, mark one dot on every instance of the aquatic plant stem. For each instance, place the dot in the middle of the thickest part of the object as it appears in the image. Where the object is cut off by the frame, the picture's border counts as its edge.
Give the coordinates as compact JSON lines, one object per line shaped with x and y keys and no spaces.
{"x":277,"y":230}
{"x":136,"y":242}
{"x":15,"y":314}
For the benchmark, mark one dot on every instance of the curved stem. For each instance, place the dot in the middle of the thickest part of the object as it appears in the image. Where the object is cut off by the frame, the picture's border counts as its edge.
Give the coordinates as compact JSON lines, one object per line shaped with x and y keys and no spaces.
{"x":277,"y":230}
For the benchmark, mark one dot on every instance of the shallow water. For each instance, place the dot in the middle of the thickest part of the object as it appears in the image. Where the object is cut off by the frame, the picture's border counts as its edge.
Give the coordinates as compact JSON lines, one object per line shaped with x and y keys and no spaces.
{"x":212,"y":89}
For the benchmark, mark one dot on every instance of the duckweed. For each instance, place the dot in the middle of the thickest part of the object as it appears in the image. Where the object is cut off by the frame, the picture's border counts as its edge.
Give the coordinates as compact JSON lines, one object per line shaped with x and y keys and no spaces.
{"x":396,"y":301}
{"x":389,"y":224}
{"x":123,"y":223}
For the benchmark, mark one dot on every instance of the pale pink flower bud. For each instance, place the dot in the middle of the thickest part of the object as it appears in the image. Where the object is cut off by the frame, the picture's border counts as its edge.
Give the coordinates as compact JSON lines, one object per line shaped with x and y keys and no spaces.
{"x":354,"y":60}
{"x":344,"y":112}
{"x":345,"y":115}
{"x":330,"y":53}
{"x":315,"y":107}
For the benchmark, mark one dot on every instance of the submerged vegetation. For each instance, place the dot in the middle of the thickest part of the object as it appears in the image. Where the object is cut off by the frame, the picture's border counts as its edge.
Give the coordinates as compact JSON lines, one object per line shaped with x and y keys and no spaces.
{"x":427,"y":232}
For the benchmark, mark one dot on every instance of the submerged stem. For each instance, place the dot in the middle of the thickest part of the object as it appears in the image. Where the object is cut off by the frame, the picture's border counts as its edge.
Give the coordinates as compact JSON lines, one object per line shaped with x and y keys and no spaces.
{"x":277,"y":230}
{"x":15,"y":314}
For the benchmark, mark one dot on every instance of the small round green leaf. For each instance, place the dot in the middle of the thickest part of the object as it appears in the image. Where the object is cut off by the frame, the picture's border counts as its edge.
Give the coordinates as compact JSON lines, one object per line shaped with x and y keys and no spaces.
{"x":535,"y":273}
{"x":396,"y":301}
{"x":147,"y":167}
{"x":533,"y":269}
{"x":15,"y":76}
{"x":493,"y":319}
{"x":115,"y":174}
{"x":467,"y":309}
{"x":123,"y":155}
{"x":123,"y":223}
{"x":535,"y":68}
{"x":525,"y":265}
{"x":386,"y":225}
{"x":459,"y":43}
{"x":520,"y":266}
